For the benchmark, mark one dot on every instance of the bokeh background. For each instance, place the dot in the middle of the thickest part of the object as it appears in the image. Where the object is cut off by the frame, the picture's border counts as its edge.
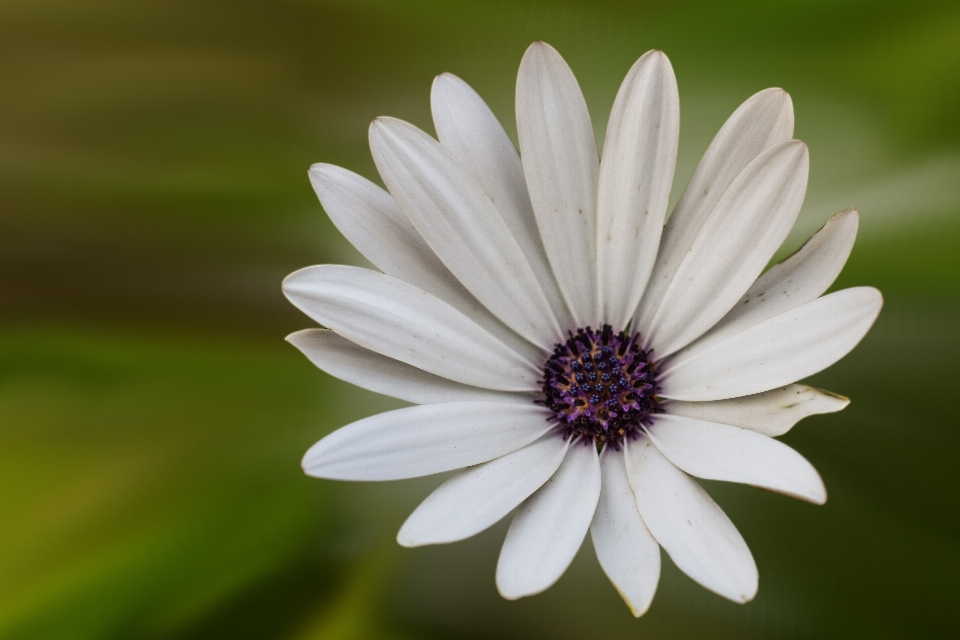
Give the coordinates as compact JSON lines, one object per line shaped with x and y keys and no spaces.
{"x":154,"y":195}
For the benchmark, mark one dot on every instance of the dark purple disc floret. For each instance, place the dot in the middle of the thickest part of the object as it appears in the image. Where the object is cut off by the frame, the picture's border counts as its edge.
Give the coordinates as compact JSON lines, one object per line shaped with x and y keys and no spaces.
{"x":601,"y":386}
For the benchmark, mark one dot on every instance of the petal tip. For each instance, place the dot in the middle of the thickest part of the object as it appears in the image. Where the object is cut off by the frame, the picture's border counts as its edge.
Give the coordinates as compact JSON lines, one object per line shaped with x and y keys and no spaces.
{"x":659,"y":55}
{"x":848,"y":219}
{"x":508,"y":594}
{"x":841,"y":400}
{"x":405,"y":539}
{"x":636,"y":611}
{"x":517,"y":589}
{"x":539,"y":50}
{"x":319,"y":169}
{"x":287,"y":285}
{"x":816,"y":495}
{"x":778,"y":92}
{"x":310,"y":468}
{"x":296,"y":336}
{"x":873,"y":299}
{"x":379,"y":125}
{"x":750,"y":592}
{"x":440,"y":82}
{"x":446,"y":76}
{"x":312,"y":462}
{"x":658,"y":60}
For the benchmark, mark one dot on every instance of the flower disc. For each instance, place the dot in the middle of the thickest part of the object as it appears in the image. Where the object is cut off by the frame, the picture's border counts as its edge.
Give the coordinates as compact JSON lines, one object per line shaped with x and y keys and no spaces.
{"x":601,"y":386}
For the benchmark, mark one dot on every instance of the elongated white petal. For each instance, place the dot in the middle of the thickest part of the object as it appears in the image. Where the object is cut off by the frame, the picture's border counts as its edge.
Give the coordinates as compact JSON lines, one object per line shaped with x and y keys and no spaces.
{"x":689,"y":525}
{"x":636,"y":172}
{"x":735,"y":243}
{"x":559,"y":154}
{"x":765,"y":119}
{"x":625,"y":548}
{"x":419,"y":441}
{"x":771,"y":413}
{"x":367,"y":369}
{"x":398,"y":320}
{"x":461,"y":225}
{"x":720,"y":452}
{"x":787,"y":347}
{"x":802,"y":277}
{"x":476,"y":498}
{"x":468,"y":129}
{"x":370,"y":219}
{"x":550,"y":526}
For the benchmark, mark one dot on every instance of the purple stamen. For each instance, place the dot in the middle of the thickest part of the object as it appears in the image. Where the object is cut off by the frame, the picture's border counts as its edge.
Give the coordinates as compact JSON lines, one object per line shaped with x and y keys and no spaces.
{"x":601,"y":386}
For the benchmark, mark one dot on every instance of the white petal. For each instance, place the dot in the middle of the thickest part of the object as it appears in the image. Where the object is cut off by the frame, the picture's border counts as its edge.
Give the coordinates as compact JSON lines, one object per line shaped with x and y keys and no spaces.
{"x":765,"y":119}
{"x":550,"y":526}
{"x":720,"y":452}
{"x":689,"y":525}
{"x":734,"y":245}
{"x":771,"y":413}
{"x":802,"y":277}
{"x":350,"y":362}
{"x":370,"y":219}
{"x":625,"y":548}
{"x":419,"y":441}
{"x":461,"y":225}
{"x":636,"y":172}
{"x":787,"y":347}
{"x":468,"y":129}
{"x":476,"y":498}
{"x":398,"y":320}
{"x":559,"y":154}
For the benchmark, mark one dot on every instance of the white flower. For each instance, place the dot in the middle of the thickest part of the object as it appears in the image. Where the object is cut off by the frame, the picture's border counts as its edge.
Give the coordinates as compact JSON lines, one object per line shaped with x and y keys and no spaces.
{"x":538,"y":310}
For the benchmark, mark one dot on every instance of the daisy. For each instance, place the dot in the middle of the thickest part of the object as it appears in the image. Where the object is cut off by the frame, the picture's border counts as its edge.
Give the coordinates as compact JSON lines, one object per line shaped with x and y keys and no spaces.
{"x":581,"y":360}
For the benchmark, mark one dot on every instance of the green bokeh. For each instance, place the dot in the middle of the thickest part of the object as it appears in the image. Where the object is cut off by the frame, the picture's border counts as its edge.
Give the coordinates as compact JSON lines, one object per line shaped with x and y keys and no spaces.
{"x":153,"y":174}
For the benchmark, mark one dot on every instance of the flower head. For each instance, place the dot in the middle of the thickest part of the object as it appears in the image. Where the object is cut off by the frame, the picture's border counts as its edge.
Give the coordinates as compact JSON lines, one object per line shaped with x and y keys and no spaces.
{"x":576,"y":356}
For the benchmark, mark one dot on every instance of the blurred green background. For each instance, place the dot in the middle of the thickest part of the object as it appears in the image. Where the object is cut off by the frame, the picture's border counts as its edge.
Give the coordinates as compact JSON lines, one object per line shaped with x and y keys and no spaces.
{"x":154,"y":158}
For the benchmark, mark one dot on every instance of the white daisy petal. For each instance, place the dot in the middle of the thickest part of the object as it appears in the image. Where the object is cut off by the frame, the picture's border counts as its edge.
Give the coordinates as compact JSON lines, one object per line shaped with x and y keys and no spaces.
{"x":771,"y":413}
{"x":561,"y":165}
{"x":765,"y":119}
{"x":720,"y":452}
{"x":370,"y":219}
{"x":550,"y":526}
{"x":369,"y":370}
{"x":802,"y":277}
{"x":625,"y":548}
{"x":423,"y":440}
{"x":689,"y":525}
{"x":636,"y":172}
{"x":476,"y":498}
{"x":468,"y":129}
{"x":461,"y":225}
{"x":748,"y":225}
{"x":398,"y":320}
{"x":787,"y":347}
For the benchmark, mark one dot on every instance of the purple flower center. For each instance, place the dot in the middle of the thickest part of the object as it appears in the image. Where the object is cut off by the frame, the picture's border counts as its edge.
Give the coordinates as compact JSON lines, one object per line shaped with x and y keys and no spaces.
{"x":601,"y":386}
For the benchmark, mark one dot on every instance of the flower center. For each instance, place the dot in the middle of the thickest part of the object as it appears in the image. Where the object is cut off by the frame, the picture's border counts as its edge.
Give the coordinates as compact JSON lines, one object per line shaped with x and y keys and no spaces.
{"x":601,"y":386}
